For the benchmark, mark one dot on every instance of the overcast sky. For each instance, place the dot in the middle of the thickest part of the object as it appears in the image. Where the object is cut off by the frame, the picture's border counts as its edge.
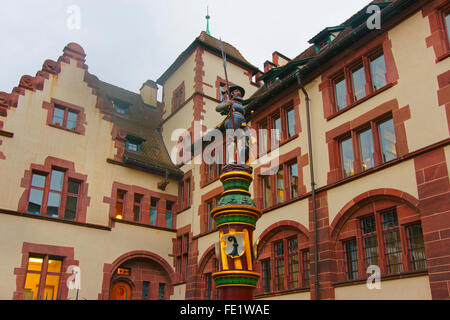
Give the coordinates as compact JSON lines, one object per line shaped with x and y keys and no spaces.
{"x":130,"y":41}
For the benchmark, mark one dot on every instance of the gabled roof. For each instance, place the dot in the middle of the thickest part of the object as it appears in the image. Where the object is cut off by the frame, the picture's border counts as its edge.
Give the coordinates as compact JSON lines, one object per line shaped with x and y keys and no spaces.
{"x":213,"y":44}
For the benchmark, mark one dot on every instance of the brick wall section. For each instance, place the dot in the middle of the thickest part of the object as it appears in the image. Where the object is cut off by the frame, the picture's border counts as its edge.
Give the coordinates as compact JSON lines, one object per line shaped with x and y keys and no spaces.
{"x":194,"y":279}
{"x":434,"y":196}
{"x":327,"y":255}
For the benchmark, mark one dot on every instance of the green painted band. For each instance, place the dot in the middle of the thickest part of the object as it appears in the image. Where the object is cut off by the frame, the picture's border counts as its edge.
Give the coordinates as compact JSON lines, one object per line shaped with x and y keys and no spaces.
{"x":236,"y":281}
{"x":236,"y":218}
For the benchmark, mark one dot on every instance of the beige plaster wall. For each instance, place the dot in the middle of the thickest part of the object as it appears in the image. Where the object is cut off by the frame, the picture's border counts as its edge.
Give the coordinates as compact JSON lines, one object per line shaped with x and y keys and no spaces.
{"x":417,"y":288}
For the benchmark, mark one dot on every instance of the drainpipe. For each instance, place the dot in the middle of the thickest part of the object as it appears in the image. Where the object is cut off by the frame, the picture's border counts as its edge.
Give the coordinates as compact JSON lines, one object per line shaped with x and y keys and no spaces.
{"x":313,"y":188}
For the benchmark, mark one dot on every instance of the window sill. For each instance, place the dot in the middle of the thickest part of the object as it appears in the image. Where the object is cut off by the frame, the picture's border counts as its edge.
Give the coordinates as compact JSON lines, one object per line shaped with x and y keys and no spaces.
{"x":443,"y":57}
{"x":139,"y":224}
{"x":65,"y":129}
{"x":6,"y":134}
{"x":402,"y":275}
{"x":282,"y":293}
{"x":369,"y":96}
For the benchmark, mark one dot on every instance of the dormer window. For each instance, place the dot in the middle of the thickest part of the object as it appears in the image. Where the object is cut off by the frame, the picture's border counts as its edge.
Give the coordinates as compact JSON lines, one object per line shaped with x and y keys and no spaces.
{"x":324,"y":37}
{"x":121,"y":107}
{"x":133,"y":144}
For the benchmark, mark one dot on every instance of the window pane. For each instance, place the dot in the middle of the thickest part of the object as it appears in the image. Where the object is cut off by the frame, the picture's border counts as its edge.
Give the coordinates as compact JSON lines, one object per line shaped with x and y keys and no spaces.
{"x":368,"y":225}
{"x":347,"y":157}
{"x":153,"y":216}
{"x":393,"y":247}
{"x":31,"y":286}
{"x":56,"y":181}
{"x":416,"y":247}
{"x":153,"y":202}
{"x":290,"y":121}
{"x":267,"y":192}
{"x":370,"y":241}
{"x":54,"y":200}
{"x":161,"y":291}
{"x":293,"y":263}
{"x":209,"y":207}
{"x":73,"y":187}
{"x":58,"y":117}
{"x":387,"y":138}
{"x":266,"y":276}
{"x":54,"y":265}
{"x":72,"y":120}
{"x":378,"y":68}
{"x":38,"y":180}
{"x":293,"y":175}
{"x":168,"y":219}
{"x":359,"y":83}
{"x":145,"y":289}
{"x":366,"y":148}
{"x":51,"y":287}
{"x":263,"y":138}
{"x":277,"y":127}
{"x":131,"y":146}
{"x":340,"y":89}
{"x":35,"y":201}
{"x":35,"y":263}
{"x":351,"y":259}
{"x":280,"y":185}
{"x":71,"y":208}
{"x":305,"y":275}
{"x":121,"y":194}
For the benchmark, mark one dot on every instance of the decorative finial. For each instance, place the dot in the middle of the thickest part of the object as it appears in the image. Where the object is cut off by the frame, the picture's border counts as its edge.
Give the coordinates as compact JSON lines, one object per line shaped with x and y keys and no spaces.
{"x":207,"y":21}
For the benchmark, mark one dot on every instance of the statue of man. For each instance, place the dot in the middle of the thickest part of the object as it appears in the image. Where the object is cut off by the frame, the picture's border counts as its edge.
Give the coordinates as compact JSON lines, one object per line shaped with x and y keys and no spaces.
{"x":235,"y":106}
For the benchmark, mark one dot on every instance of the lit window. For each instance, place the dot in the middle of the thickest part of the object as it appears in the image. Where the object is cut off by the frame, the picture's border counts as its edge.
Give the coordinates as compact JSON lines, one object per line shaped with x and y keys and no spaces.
{"x":293,"y":177}
{"x":388,"y":141}
{"x":366,"y":149}
{"x":120,"y":204}
{"x":347,"y":157}
{"x":266,"y":191}
{"x":280,"y":185}
{"x":42,"y":280}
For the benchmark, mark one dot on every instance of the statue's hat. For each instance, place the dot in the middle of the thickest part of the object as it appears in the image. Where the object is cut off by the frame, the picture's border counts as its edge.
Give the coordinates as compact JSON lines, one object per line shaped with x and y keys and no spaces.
{"x":232,"y":88}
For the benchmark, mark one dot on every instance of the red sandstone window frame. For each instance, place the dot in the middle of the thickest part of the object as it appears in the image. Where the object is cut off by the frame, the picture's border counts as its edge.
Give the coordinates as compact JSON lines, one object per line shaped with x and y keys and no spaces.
{"x":185,"y":192}
{"x":356,"y":233}
{"x":181,"y":249}
{"x":67,"y":107}
{"x":178,"y":97}
{"x":268,"y":120}
{"x":439,"y":37}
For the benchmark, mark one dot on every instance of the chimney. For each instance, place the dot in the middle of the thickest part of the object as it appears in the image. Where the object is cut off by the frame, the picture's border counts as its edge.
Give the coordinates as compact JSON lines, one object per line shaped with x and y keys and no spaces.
{"x":149,"y":91}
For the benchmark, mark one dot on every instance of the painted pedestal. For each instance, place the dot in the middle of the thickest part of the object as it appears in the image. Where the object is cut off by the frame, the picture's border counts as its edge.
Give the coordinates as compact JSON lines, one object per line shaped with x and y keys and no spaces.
{"x":236,"y":216}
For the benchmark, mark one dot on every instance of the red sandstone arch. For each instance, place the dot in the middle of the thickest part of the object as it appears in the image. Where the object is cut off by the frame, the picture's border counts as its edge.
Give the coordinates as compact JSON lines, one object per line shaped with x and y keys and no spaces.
{"x":361,"y":200}
{"x":109,"y":269}
{"x":278,"y":227}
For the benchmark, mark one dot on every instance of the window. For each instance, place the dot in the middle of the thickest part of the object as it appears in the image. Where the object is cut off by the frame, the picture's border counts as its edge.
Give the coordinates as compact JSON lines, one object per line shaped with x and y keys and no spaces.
{"x":276,"y":128}
{"x":416,"y":247}
{"x":293,"y":281}
{"x":169,"y":206}
{"x":145,"y":289}
{"x":285,"y":184}
{"x":210,"y":223}
{"x":64,"y":117}
{"x":383,"y":242}
{"x":366,"y":149}
{"x":137,"y":207}
{"x":120,"y":201}
{"x":340,"y":90}
{"x":133,"y":144}
{"x":178,"y":97}
{"x":58,"y":198}
{"x":351,"y":259}
{"x":121,"y":107}
{"x":267,"y":194}
{"x":43,"y":278}
{"x":153,"y":210}
{"x":266,"y":275}
{"x":359,"y":83}
{"x":280,"y":185}
{"x":182,"y":254}
{"x":212,"y":171}
{"x":305,"y":268}
{"x":447,"y":23}
{"x":346,"y":147}
{"x":72,"y":199}
{"x":161,"y":291}
{"x":293,"y":179}
{"x":208,"y":285}
{"x":185,"y":193}
{"x":371,"y":146}
{"x":363,"y":79}
{"x":279,"y":265}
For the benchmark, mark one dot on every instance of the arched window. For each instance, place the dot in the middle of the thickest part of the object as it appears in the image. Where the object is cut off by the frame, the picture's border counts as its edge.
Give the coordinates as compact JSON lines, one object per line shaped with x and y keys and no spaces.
{"x":385,"y":232}
{"x":283,"y":260}
{"x":208,"y":266}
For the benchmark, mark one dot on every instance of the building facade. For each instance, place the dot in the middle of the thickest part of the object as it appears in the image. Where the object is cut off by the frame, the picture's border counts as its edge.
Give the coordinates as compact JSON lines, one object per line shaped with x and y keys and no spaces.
{"x":351,"y":158}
